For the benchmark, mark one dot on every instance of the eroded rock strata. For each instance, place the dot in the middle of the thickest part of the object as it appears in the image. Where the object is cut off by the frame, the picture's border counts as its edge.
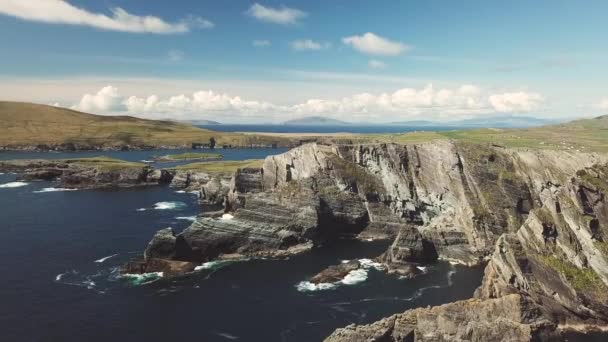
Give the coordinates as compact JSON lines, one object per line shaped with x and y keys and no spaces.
{"x":538,"y":216}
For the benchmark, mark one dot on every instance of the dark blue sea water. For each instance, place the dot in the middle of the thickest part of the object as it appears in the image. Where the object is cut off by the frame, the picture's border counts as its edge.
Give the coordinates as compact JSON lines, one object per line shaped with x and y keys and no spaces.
{"x":53,"y":289}
{"x":324,"y":128}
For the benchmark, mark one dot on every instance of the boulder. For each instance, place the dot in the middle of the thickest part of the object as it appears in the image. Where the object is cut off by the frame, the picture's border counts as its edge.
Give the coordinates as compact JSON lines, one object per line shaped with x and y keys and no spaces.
{"x":335,"y":273}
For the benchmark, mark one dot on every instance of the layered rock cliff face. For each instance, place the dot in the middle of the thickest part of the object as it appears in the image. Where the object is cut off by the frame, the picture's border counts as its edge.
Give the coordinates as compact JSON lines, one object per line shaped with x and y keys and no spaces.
{"x":551,"y":254}
{"x":539,"y":217}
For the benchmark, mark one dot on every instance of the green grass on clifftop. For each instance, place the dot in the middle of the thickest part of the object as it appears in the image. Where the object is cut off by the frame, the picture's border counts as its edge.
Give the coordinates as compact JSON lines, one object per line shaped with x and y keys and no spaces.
{"x":105,"y":163}
{"x":228,"y":166}
{"x":586,"y":135}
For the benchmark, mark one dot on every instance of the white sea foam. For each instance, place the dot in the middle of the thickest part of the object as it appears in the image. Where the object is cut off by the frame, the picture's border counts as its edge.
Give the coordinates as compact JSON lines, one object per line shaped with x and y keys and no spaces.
{"x":54,"y":190}
{"x":355,"y":277}
{"x":147,"y":161}
{"x":141,"y":209}
{"x":227,"y":217}
{"x":306,"y":286}
{"x":369,"y":263}
{"x":13,"y":185}
{"x":169,"y":205}
{"x":186,"y":218}
{"x":99,"y":261}
{"x":144,"y":278}
{"x":59,"y":276}
{"x":193,"y":192}
{"x":216,"y":264}
{"x":227,"y":336}
{"x":422,"y":268}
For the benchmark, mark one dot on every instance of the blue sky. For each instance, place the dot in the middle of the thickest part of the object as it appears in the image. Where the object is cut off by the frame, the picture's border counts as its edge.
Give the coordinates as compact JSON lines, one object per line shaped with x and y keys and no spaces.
{"x":245,"y":61}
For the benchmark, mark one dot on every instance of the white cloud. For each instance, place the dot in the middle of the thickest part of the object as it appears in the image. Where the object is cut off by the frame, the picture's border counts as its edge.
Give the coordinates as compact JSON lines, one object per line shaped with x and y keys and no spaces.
{"x":603,"y":104}
{"x":176,"y":55}
{"x":372,"y":44}
{"x":261,"y":43}
{"x":283,"y":15}
{"x":403,"y":104}
{"x":308,"y":44}
{"x":62,"y":12}
{"x":106,"y":100}
{"x":376,"y":64}
{"x":518,"y":102}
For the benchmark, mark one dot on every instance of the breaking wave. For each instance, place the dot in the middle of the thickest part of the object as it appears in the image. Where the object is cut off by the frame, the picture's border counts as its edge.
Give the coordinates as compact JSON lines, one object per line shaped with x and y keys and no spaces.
{"x":169,"y":205}
{"x":53,"y":190}
{"x":13,"y":185}
{"x":142,"y":279}
{"x":99,"y":261}
{"x":186,"y":218}
{"x":216,"y":264}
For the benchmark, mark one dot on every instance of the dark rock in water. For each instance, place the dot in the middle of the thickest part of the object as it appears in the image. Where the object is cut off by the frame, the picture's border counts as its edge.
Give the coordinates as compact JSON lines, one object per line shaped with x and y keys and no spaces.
{"x":162,"y":245}
{"x":335,"y":273}
{"x":169,"y":268}
{"x":47,"y":174}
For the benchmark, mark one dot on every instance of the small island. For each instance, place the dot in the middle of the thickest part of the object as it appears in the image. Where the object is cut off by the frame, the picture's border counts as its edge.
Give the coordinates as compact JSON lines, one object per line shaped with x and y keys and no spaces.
{"x":189,"y":157}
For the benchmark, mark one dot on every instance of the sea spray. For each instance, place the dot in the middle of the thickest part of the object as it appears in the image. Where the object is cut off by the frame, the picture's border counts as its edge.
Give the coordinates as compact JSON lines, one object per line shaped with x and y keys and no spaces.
{"x":13,"y":185}
{"x":99,"y":261}
{"x":53,"y":190}
{"x":176,"y":205}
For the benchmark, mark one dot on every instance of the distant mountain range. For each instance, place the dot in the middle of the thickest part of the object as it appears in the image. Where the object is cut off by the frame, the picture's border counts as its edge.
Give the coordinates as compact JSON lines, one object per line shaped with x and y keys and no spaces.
{"x":496,"y":121}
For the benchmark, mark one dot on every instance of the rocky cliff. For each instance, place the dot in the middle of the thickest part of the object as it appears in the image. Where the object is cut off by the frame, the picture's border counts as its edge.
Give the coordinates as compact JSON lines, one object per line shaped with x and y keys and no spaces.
{"x":538,"y":216}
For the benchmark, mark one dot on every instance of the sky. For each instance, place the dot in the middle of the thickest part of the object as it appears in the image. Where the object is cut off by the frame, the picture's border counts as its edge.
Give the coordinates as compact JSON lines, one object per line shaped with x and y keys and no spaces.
{"x":269,"y":61}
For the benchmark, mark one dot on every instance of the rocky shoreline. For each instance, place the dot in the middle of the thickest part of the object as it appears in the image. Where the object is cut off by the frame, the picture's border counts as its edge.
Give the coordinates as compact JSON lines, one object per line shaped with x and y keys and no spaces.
{"x":537,"y":218}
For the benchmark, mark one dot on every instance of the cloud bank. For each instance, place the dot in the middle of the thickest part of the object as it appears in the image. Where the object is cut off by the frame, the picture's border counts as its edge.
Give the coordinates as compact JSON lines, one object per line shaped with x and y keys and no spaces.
{"x":403,"y":104}
{"x":282,"y":16}
{"x":62,"y":12}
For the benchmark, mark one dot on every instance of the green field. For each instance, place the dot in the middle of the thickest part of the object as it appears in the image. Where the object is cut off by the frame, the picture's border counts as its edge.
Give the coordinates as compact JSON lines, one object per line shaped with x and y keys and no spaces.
{"x":228,"y":166}
{"x":104,"y":163}
{"x":27,"y":124}
{"x":589,"y":135}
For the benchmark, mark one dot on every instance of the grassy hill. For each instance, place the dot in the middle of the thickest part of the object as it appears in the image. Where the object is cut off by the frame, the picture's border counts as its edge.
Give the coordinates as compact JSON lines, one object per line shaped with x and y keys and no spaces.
{"x":23,"y":124}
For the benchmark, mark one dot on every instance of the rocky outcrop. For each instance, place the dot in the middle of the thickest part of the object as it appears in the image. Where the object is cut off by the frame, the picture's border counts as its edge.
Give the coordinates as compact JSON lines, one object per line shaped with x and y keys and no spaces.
{"x":509,"y":318}
{"x":559,"y":256}
{"x":94,"y":174}
{"x":335,"y":273}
